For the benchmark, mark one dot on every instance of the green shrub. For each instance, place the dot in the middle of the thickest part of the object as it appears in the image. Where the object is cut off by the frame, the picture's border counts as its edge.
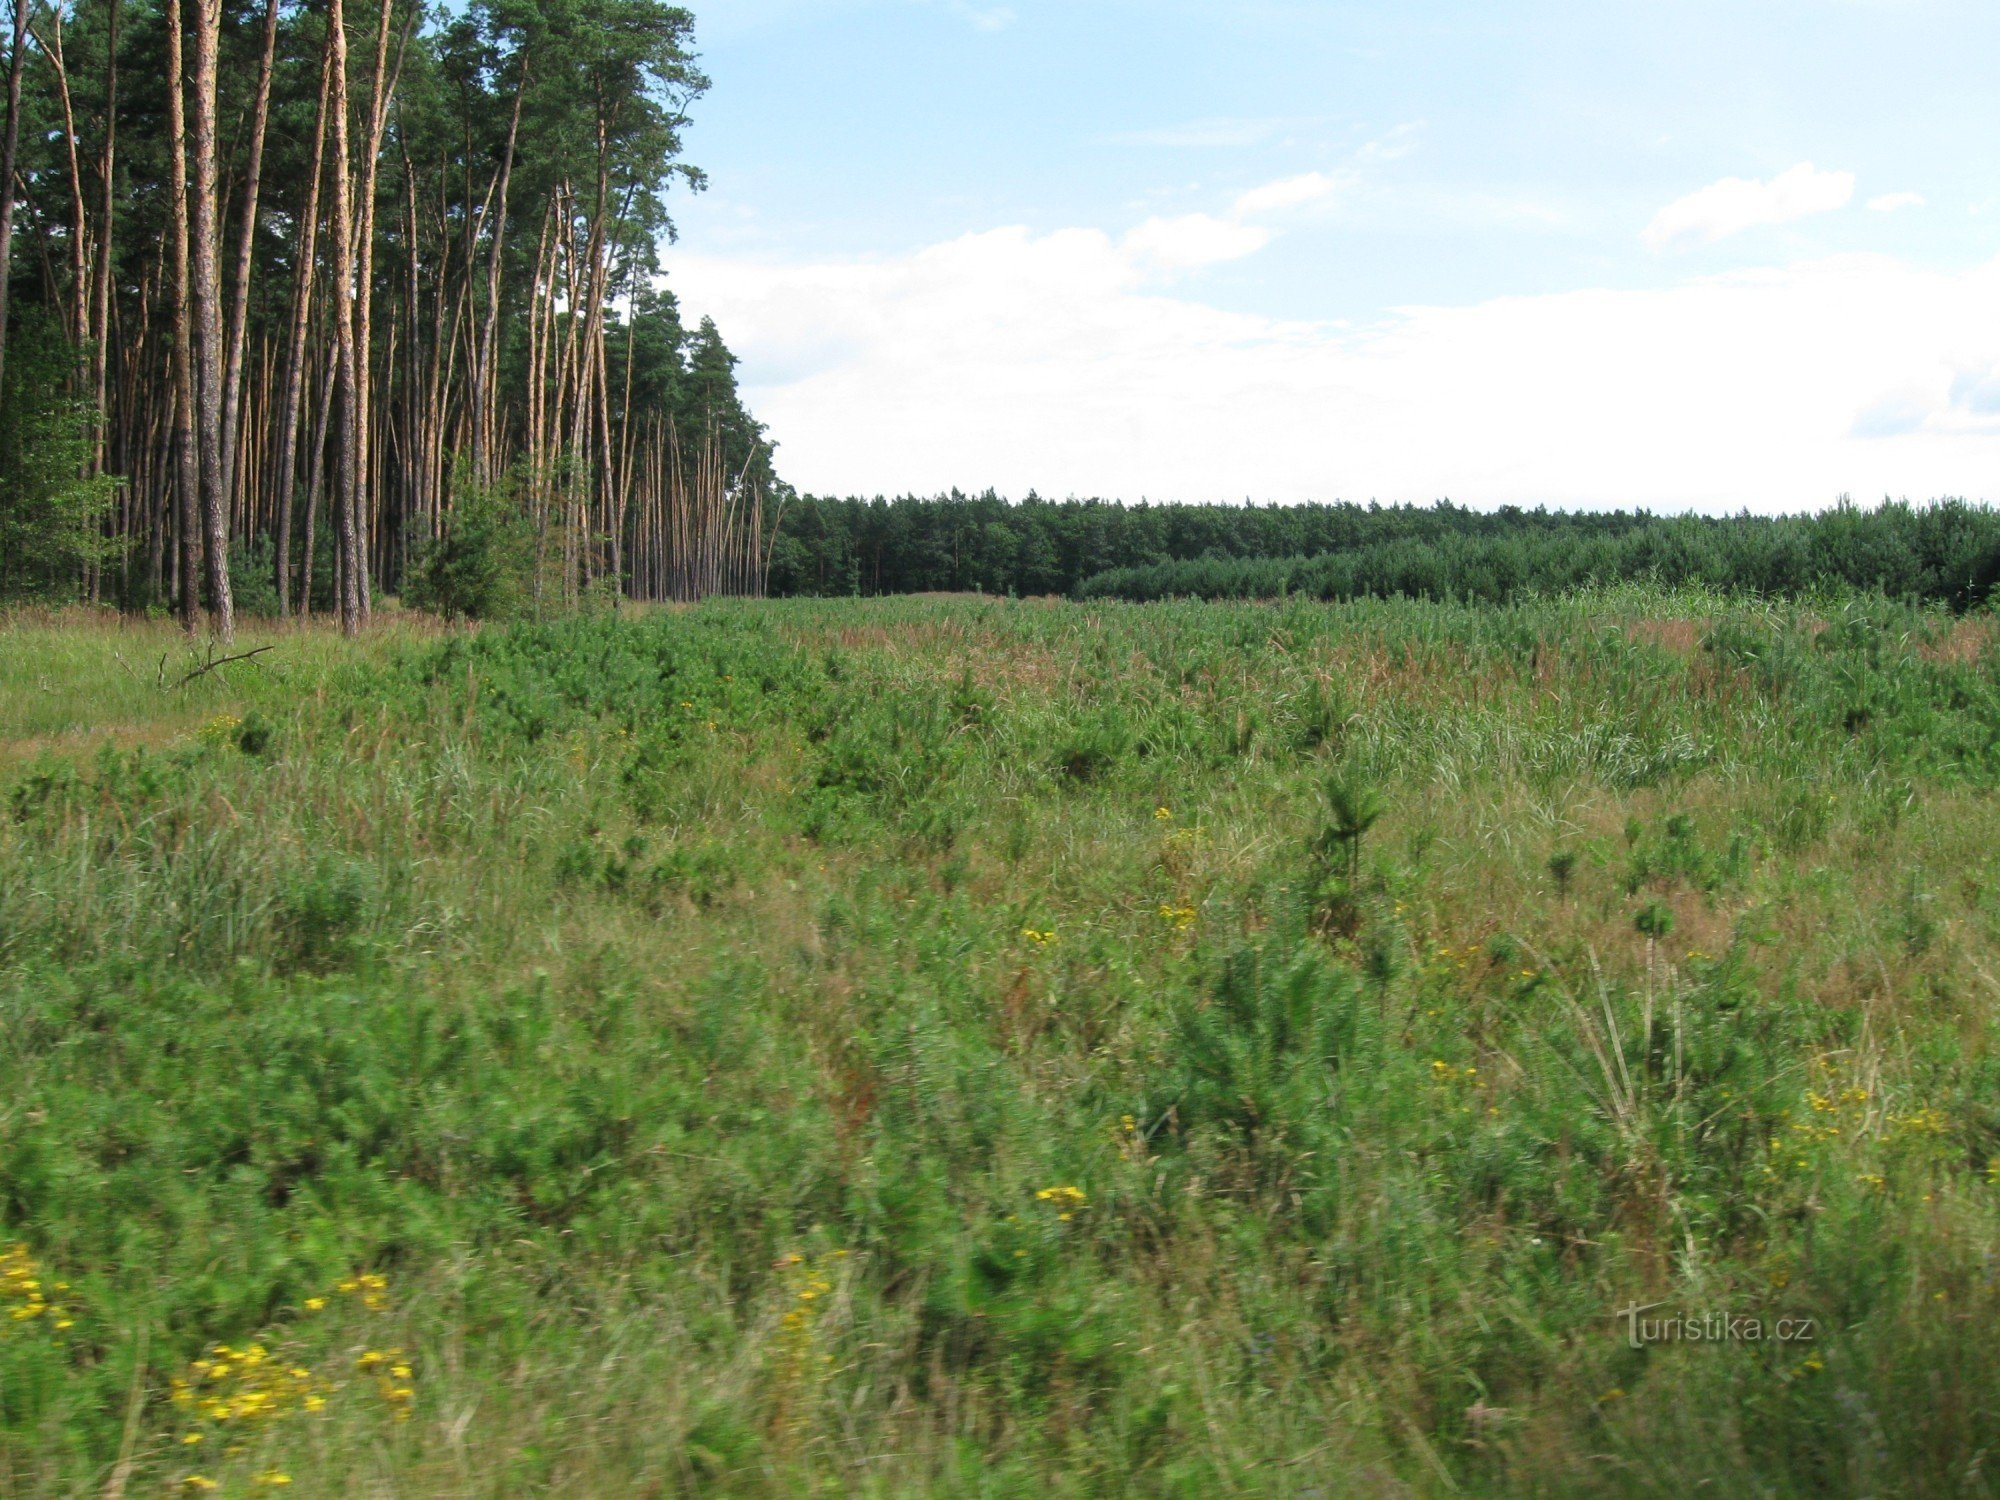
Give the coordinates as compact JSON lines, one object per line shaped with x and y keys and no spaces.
{"x":480,"y":567}
{"x":755,"y":1065}
{"x":51,"y":517}
{"x":321,"y":913}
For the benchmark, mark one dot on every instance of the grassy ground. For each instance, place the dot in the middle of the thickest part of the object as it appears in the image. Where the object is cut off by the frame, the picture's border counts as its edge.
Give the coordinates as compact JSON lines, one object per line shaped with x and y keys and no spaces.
{"x":969,"y":1047}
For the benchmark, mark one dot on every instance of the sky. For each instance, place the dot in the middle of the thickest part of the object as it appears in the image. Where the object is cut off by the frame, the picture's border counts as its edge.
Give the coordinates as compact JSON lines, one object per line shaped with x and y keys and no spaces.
{"x":1685,"y":254}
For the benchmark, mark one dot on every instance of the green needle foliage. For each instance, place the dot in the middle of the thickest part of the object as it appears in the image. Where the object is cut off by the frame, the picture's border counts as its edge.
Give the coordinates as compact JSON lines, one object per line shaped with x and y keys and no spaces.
{"x":51,"y":515}
{"x":1562,"y":869}
{"x":1946,"y":554}
{"x":482,"y":566}
{"x":1353,"y":807}
{"x":900,"y":1047}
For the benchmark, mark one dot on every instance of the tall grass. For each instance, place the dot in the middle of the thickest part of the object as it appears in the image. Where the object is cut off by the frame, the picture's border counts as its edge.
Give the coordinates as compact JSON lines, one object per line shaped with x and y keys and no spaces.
{"x":929,"y":1046}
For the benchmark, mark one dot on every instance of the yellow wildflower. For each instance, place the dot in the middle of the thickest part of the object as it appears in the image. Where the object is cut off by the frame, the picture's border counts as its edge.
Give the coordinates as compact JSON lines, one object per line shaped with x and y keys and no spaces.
{"x":219,"y":729}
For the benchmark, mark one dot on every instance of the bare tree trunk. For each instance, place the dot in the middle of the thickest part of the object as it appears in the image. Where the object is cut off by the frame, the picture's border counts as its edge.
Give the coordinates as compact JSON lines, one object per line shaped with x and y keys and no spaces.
{"x":620,"y":564}
{"x":382,"y":88}
{"x":540,"y":294}
{"x":239,"y":307}
{"x":485,"y":395}
{"x":187,"y":481}
{"x":100,"y":312}
{"x":316,"y":470}
{"x":288,"y":420}
{"x":416,"y":475}
{"x":78,"y":314}
{"x":9,"y":151}
{"x":347,"y":456}
{"x":207,"y":268}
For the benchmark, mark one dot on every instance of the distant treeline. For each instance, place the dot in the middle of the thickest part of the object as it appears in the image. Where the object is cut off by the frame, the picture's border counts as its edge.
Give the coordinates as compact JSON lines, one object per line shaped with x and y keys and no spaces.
{"x":961,"y":543}
{"x":1946,"y":553}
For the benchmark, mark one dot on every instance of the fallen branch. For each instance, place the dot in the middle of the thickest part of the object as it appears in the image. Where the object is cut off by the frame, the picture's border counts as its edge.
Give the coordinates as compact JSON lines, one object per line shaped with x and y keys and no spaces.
{"x":214,"y":662}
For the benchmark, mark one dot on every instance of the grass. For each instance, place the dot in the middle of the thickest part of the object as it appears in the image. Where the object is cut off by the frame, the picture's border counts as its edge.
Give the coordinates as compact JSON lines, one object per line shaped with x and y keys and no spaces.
{"x":72,"y":679}
{"x":959,"y":1046}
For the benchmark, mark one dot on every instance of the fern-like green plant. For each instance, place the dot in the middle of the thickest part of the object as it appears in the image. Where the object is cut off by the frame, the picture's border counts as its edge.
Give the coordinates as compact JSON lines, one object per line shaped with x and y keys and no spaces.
{"x":1562,"y":867}
{"x":1353,"y":807}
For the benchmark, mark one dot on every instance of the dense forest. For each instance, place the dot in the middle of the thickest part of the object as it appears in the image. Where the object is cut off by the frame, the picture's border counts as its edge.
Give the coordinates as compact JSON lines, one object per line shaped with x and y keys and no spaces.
{"x":1947,"y":553}
{"x":958,"y":542}
{"x":302,"y":304}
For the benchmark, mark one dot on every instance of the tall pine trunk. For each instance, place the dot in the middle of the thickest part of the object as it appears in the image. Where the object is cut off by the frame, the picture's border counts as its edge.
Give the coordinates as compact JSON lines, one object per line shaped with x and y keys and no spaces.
{"x":246,"y":240}
{"x":9,"y":151}
{"x":295,"y":361}
{"x":485,"y":393}
{"x":363,"y":210}
{"x":348,"y":416}
{"x":207,"y":270}
{"x":100,"y":300}
{"x":186,"y":468}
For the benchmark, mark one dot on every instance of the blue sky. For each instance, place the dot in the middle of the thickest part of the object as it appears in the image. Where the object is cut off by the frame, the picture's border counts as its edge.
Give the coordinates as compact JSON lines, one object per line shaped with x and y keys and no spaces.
{"x":1672,"y":252}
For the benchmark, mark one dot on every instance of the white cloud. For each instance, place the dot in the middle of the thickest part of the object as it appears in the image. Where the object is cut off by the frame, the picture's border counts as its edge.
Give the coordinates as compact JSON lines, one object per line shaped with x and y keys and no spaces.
{"x":1890,"y":203}
{"x":1288,"y":192}
{"x":1738,"y":203}
{"x":1397,"y":144}
{"x":1050,"y":361}
{"x":987,"y":17}
{"x":1187,"y":242}
{"x":1190,"y":241}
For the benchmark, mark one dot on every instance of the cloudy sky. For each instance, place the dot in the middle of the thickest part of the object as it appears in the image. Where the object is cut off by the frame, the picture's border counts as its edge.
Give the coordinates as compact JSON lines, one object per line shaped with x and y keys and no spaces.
{"x":1679,"y":253}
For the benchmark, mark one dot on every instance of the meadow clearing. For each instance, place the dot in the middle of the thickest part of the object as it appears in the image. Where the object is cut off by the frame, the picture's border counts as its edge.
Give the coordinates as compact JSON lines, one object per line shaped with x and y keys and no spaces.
{"x":1004,"y":1048}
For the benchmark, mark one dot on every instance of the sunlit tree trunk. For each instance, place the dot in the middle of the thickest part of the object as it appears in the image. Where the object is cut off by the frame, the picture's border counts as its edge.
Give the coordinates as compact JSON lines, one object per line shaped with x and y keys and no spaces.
{"x":186,"y":467}
{"x":207,"y":269}
{"x":383,"y":87}
{"x":239,"y":305}
{"x":17,"y":58}
{"x":100,"y":303}
{"x":295,"y":360}
{"x":347,"y":424}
